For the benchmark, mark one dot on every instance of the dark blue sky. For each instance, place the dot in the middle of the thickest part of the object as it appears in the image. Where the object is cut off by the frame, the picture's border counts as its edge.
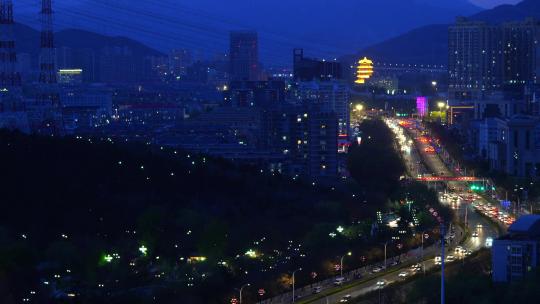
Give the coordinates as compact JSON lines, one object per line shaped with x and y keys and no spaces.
{"x":492,"y":3}
{"x":325,"y":28}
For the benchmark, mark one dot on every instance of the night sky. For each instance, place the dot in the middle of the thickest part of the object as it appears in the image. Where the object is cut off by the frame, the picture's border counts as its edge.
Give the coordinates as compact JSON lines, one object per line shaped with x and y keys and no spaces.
{"x":325,"y":28}
{"x":492,"y":3}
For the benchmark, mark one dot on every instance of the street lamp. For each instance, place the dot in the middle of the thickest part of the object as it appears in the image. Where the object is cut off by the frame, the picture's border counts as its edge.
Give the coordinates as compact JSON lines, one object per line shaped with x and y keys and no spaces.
{"x":423,"y":263}
{"x":359,"y":107}
{"x":385,"y":244}
{"x":441,"y":105}
{"x":241,"y":289}
{"x":293,"y":282}
{"x":341,"y":261}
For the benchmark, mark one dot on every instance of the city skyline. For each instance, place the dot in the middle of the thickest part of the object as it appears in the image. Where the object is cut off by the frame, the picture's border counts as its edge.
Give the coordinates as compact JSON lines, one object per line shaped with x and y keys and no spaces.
{"x":240,"y":164}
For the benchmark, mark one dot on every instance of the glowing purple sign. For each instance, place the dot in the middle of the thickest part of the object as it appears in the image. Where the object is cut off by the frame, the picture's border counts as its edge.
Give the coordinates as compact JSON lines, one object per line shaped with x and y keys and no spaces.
{"x":422,"y":106}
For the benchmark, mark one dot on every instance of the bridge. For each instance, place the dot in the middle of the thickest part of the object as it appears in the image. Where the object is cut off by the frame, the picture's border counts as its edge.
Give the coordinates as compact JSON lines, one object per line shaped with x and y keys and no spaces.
{"x":450,"y":179}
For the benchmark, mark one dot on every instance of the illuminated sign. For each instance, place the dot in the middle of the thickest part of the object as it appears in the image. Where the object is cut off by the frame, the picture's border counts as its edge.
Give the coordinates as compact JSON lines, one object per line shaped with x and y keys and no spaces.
{"x":422,"y":106}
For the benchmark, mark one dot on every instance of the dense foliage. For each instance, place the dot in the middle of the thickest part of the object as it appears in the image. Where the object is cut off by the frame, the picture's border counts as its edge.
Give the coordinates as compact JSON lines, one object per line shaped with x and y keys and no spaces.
{"x":374,"y":164}
{"x":68,"y":204}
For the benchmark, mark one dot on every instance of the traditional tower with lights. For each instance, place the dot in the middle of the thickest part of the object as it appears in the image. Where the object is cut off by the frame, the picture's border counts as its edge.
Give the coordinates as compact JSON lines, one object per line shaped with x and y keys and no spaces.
{"x":364,"y":70}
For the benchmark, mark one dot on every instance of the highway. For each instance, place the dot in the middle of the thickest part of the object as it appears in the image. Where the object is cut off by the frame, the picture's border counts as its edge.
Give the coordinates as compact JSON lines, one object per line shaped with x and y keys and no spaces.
{"x":480,"y":230}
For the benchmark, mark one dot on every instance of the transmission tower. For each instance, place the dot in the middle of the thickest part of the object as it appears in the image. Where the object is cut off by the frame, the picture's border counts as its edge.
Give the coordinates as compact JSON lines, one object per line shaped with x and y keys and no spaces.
{"x":47,"y":67}
{"x":9,"y":77}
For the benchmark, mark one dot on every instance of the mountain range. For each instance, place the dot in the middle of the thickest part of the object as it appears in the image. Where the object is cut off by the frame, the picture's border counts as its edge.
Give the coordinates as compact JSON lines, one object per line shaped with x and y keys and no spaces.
{"x":28,"y":40}
{"x":325,"y":28}
{"x":426,"y":44}
{"x":429,"y":44}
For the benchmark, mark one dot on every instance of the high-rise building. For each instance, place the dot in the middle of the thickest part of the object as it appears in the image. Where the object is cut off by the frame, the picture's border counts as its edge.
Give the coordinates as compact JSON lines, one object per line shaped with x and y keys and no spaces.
{"x":307,"y":136}
{"x":475,"y":62}
{"x":485,"y":57}
{"x":331,"y":96}
{"x":308,"y":69}
{"x":244,"y":56}
{"x":255,"y":93}
{"x":521,"y":52}
{"x":179,"y":61}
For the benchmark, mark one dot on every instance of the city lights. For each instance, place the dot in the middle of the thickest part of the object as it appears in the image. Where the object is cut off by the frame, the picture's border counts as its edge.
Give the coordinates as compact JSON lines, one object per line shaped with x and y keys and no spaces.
{"x":143,"y":250}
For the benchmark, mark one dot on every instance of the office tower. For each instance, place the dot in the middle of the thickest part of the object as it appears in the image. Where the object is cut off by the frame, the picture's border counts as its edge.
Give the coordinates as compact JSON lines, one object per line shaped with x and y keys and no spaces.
{"x":307,"y":136}
{"x":521,"y":52}
{"x":9,"y":76}
{"x":255,"y":93}
{"x":179,"y":61}
{"x":331,"y":96}
{"x":244,"y":56}
{"x":308,"y":69}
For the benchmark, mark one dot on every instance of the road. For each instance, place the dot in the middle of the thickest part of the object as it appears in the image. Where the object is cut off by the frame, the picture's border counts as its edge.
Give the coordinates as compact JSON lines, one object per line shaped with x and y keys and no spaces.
{"x":418,"y":162}
{"x":462,"y":207}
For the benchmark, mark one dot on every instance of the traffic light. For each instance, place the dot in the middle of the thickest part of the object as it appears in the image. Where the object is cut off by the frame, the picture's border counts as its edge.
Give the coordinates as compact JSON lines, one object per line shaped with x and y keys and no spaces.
{"x":480,"y":188}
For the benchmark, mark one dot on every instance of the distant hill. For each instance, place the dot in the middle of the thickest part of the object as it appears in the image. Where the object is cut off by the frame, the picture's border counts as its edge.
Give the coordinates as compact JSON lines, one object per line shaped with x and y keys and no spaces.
{"x":323,"y":27}
{"x":28,"y":40}
{"x":429,"y":44}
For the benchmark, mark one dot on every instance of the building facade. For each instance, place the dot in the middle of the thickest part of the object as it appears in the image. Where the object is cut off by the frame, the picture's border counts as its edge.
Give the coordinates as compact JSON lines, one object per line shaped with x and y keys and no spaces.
{"x":518,"y":252}
{"x":244,"y":56}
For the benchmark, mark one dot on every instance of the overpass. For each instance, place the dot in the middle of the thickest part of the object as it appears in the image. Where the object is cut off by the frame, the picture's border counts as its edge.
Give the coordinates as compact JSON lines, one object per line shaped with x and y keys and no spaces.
{"x":450,"y":179}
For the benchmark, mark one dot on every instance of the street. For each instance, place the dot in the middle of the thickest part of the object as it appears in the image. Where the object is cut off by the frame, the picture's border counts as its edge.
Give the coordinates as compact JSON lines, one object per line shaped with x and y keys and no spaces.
{"x":419,"y":160}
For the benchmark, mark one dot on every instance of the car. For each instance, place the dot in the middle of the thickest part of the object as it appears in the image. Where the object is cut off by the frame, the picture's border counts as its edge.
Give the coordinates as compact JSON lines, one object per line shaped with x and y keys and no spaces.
{"x":394,"y":263}
{"x":403,"y":274}
{"x":450,"y":258}
{"x":339,"y":281}
{"x":345,"y":299}
{"x":317,"y":289}
{"x":475,"y":234}
{"x":376,"y":269}
{"x":479,"y":226}
{"x":438,"y":260}
{"x":416,"y":267}
{"x":381,"y":283}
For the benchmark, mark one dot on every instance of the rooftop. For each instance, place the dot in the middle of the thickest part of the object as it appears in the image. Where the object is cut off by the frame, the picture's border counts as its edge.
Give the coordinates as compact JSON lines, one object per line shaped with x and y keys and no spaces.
{"x":527,"y":224}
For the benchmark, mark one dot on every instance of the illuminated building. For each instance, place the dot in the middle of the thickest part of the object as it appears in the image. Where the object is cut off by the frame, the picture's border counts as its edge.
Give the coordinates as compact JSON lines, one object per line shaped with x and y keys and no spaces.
{"x":364,"y":70}
{"x":331,"y":96}
{"x":70,"y":76}
{"x":422,"y":106}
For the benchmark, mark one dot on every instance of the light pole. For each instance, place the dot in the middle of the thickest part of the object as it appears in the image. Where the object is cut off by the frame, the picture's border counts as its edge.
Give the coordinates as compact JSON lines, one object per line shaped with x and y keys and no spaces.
{"x":423,"y":262}
{"x":440,"y":105}
{"x":341,"y":262}
{"x":293,"y":282}
{"x":241,"y":289}
{"x":442,"y":262}
{"x":385,"y":244}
